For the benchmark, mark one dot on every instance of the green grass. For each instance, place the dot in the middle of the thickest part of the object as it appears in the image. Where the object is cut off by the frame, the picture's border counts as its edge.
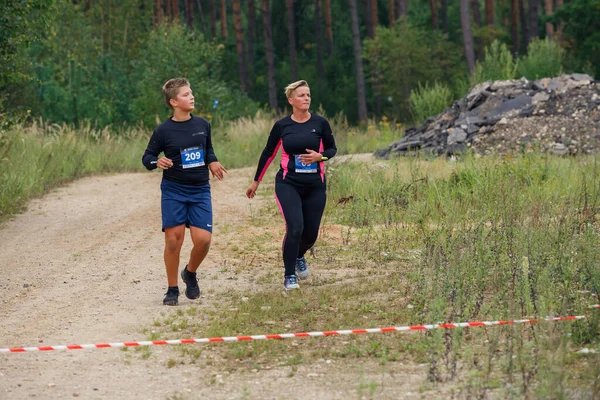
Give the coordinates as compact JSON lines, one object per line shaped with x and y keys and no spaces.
{"x":413,"y":242}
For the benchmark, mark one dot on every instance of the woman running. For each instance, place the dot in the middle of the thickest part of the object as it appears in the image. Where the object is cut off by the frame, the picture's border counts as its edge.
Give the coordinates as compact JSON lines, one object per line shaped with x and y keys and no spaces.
{"x":306,"y":141}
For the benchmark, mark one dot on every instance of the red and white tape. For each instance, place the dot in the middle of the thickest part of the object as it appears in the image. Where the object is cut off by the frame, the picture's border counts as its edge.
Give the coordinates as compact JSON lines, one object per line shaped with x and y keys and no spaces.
{"x":294,"y":335}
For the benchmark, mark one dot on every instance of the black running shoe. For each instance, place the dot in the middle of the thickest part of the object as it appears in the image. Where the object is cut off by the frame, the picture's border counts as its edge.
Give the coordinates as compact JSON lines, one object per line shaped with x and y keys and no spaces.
{"x":172,"y":296}
{"x":192,"y":290}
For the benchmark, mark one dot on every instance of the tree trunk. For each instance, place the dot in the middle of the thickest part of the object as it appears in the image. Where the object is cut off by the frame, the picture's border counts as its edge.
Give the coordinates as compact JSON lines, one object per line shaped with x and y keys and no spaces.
{"x":201,"y":16}
{"x":175,"y":8}
{"x":189,"y":13}
{"x":489,"y":12}
{"x":465,"y":23}
{"x":328,"y":29}
{"x":374,"y":16}
{"x":158,"y":12}
{"x":169,"y":13}
{"x":360,"y":78}
{"x":444,"y":14}
{"x":524,"y":27}
{"x":514,"y":25}
{"x":402,"y":8}
{"x":239,"y":41}
{"x":549,"y":27}
{"x":213,"y":18}
{"x":433,"y":5}
{"x":292,"y":39}
{"x":533,"y":19}
{"x":476,"y":12}
{"x":223,"y":15}
{"x":268,"y":33}
{"x":369,"y":18}
{"x":559,"y":29}
{"x":251,"y":33}
{"x":319,"y":43}
{"x":391,"y":15}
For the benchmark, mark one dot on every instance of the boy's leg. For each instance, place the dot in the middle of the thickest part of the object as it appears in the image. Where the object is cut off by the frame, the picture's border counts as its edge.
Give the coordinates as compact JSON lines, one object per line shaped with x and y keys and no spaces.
{"x":201,"y":239}
{"x":173,"y":242}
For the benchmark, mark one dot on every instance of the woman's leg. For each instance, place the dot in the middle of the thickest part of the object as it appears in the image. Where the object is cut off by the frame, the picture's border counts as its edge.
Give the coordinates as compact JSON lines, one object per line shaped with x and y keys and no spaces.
{"x":290,"y":205}
{"x":313,"y":206}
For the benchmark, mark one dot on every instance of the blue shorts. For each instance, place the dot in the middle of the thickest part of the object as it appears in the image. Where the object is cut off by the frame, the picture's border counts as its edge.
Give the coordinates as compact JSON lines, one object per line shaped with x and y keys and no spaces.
{"x":186,"y":204}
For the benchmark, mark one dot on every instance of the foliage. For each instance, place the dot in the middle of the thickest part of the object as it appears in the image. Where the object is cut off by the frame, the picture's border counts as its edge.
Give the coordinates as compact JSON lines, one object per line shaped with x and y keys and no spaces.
{"x":21,"y":23}
{"x":544,"y":59}
{"x":580,"y":22}
{"x":405,"y":56}
{"x":113,"y":67}
{"x":426,"y":101}
{"x":104,"y":61}
{"x":497,"y":64}
{"x":173,"y":51}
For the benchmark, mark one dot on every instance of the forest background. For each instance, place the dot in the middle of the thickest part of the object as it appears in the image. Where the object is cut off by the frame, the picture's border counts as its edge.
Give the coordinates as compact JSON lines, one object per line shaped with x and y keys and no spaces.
{"x":102,"y":62}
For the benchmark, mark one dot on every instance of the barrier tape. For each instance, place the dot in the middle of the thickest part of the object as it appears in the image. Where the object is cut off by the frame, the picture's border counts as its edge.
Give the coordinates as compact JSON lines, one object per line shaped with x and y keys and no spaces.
{"x":293,"y":335}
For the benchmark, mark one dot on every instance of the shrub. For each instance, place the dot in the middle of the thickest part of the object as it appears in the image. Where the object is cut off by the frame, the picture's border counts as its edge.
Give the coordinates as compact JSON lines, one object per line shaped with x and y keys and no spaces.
{"x":544,"y":59}
{"x":426,"y":101}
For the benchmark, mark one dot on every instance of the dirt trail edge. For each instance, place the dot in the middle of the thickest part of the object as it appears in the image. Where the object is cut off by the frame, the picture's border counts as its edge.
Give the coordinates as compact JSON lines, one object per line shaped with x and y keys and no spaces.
{"x":84,"y":265}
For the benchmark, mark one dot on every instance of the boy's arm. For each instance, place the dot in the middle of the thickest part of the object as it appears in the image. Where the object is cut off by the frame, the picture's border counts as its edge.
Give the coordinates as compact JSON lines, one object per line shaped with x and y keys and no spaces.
{"x":210,"y":152}
{"x":329,"y":148}
{"x":150,"y":157}
{"x":269,"y":152}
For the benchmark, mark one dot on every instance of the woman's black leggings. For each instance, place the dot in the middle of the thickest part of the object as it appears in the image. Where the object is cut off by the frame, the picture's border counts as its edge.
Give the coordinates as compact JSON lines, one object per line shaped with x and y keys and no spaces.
{"x":302,"y":207}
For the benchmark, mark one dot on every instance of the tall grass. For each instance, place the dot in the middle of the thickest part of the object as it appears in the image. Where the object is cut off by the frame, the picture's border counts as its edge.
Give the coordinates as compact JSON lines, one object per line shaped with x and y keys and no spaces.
{"x":498,"y":239}
{"x":41,"y":156}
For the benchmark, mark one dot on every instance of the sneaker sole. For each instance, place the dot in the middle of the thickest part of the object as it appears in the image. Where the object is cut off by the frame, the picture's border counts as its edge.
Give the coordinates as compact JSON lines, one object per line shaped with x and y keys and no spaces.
{"x":302,"y":275}
{"x":186,"y":289}
{"x":171,"y":303}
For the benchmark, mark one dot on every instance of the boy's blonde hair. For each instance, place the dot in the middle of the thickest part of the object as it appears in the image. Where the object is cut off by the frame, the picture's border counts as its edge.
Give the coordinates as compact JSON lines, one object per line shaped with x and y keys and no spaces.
{"x":171,"y":88}
{"x":293,"y":86}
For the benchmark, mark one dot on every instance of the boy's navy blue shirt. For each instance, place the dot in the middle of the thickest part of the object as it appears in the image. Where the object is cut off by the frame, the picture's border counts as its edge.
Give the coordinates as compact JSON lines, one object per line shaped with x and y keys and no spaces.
{"x":188,"y":144}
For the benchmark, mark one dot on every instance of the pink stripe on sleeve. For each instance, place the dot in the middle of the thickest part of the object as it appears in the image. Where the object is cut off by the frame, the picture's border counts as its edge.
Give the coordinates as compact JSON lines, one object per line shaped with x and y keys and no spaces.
{"x":269,"y":161}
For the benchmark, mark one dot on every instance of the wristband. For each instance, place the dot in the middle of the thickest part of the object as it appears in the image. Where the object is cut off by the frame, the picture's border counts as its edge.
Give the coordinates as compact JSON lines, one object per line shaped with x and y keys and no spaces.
{"x":324,"y":158}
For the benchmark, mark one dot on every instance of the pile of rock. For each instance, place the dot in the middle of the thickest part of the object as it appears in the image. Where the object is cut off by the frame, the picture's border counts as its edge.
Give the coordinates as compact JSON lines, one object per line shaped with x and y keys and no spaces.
{"x":560,"y":115}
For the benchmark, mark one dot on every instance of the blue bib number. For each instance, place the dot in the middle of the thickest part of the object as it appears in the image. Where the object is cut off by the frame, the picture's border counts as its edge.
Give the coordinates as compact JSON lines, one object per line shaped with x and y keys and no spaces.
{"x":192,"y":157}
{"x":305,"y":168}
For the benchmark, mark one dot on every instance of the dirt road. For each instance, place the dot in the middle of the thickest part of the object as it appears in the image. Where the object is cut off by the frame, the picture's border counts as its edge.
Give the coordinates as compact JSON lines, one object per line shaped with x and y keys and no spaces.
{"x":84,"y":265}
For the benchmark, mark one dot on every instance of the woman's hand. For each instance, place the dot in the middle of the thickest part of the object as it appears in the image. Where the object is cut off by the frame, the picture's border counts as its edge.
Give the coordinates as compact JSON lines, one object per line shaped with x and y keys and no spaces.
{"x":311,"y":157}
{"x":164,"y":163}
{"x":217,"y":170}
{"x":252,"y":190}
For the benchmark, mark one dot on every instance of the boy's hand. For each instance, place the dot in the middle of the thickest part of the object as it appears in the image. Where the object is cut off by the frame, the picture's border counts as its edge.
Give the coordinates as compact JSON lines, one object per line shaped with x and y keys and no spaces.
{"x":217,"y":170}
{"x":252,"y":190}
{"x":164,"y":163}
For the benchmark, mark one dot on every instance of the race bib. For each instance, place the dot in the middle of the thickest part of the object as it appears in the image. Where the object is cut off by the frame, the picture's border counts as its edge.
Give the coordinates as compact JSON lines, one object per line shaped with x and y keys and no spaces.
{"x":305,"y":168}
{"x":192,"y":157}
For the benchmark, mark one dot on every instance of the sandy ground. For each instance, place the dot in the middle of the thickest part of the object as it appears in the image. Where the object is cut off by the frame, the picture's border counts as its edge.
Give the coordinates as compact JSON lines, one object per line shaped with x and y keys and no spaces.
{"x":84,"y":265}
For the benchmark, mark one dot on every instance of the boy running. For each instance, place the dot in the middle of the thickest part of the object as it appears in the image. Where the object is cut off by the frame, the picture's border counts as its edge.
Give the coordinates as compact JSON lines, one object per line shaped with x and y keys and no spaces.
{"x":188,"y":155}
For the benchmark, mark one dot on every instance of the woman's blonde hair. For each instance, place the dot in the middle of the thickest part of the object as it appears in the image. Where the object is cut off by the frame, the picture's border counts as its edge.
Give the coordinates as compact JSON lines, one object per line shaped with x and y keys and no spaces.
{"x":293,"y":86}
